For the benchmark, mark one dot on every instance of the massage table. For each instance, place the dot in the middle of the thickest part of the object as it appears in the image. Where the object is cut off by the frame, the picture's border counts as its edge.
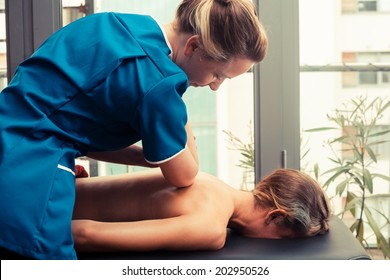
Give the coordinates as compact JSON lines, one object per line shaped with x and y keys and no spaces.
{"x":338,"y":244}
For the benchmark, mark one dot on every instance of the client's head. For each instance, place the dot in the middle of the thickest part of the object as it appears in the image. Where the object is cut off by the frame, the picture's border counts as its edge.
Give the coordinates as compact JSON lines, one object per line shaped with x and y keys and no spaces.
{"x":299,"y":204}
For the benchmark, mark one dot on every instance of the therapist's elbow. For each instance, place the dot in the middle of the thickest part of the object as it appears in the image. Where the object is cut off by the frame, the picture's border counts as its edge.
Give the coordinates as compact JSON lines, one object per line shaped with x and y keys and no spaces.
{"x":183,"y":180}
{"x":181,"y":176}
{"x":181,"y":170}
{"x":187,"y":182}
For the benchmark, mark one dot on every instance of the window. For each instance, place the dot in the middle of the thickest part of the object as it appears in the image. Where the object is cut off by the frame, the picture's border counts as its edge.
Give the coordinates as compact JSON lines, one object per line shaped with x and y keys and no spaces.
{"x":364,"y":6}
{"x":3,"y":48}
{"x":367,"y":5}
{"x":366,"y":78}
{"x":72,"y":10}
{"x":339,"y":76}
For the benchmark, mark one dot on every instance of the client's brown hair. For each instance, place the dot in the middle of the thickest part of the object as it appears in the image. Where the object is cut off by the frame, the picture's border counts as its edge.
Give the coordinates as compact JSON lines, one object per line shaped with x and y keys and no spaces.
{"x":298,"y":195}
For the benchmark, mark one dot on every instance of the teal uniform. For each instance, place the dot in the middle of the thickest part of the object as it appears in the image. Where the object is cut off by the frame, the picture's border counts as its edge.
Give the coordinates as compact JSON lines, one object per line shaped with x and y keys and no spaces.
{"x":101,"y":83}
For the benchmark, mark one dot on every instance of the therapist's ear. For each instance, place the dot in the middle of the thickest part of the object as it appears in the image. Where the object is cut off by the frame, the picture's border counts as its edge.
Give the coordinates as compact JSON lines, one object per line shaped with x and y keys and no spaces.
{"x":276,"y":216}
{"x":191,"y":45}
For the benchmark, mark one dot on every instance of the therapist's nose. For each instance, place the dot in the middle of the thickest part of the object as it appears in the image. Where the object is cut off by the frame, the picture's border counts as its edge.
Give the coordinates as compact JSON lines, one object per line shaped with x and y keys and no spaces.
{"x":215,"y":84}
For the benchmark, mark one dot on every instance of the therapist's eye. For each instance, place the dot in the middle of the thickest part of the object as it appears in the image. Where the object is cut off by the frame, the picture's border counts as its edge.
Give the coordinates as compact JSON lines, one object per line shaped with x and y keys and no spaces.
{"x":218,"y":77}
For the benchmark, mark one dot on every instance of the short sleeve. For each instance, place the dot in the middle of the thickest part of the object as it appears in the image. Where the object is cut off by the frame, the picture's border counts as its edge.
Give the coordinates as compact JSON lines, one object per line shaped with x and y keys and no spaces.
{"x":163,"y":116}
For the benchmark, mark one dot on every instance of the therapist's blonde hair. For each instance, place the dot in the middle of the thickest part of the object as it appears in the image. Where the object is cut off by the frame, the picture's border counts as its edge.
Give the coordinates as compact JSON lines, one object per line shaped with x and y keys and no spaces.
{"x":226,"y":28}
{"x":299,"y":196}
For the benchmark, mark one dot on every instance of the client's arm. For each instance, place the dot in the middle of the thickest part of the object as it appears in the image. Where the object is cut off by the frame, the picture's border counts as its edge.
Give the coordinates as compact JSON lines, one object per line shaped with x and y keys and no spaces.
{"x":178,"y":233}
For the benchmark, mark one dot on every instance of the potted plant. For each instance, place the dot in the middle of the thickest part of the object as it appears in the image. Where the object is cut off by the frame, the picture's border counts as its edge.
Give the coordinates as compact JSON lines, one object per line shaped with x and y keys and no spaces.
{"x":248,"y":157}
{"x":355,"y":162}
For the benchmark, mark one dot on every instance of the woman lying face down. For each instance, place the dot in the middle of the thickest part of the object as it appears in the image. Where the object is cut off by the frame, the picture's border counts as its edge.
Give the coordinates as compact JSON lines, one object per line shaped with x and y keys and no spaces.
{"x":142,"y":212}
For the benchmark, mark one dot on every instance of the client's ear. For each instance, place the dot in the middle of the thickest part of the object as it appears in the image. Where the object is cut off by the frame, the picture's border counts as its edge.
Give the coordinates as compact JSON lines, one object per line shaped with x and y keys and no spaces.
{"x":277,"y":216}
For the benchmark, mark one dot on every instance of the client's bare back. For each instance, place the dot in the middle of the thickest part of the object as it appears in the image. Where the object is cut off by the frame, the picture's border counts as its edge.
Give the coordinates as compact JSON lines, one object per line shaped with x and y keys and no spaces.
{"x":147,"y":195}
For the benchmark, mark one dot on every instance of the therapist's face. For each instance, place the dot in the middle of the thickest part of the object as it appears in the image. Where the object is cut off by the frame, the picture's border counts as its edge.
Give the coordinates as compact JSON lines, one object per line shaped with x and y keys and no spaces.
{"x":206,"y":72}
{"x":202,"y":71}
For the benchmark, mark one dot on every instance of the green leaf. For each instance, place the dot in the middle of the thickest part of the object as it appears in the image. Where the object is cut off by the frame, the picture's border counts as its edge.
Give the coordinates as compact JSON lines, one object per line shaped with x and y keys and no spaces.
{"x":354,"y":226}
{"x":336,"y":161}
{"x":381,"y":240}
{"x":341,"y":187}
{"x":371,"y":153}
{"x":353,"y":202}
{"x":319,"y":129}
{"x":384,"y":177}
{"x":379,"y":133}
{"x":375,"y":143}
{"x":316,"y":170}
{"x":368,"y":180}
{"x":384,"y":216}
{"x":357,"y":177}
{"x":341,"y":139}
{"x":380,"y":195}
{"x":381,"y":110}
{"x":358,"y":227}
{"x":339,"y":171}
{"x":357,"y":154}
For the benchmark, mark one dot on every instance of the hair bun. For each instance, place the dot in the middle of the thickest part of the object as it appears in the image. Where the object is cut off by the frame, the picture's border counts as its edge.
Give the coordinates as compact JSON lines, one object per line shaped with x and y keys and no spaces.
{"x":224,"y":2}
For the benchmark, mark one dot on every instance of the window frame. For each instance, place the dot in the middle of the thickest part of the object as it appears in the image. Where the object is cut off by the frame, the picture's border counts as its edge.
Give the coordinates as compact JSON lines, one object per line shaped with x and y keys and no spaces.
{"x":276,"y":120}
{"x":32,"y":22}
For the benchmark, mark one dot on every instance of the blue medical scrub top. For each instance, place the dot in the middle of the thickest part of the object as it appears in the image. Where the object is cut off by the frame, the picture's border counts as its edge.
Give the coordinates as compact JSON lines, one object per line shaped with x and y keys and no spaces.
{"x":100,"y":83}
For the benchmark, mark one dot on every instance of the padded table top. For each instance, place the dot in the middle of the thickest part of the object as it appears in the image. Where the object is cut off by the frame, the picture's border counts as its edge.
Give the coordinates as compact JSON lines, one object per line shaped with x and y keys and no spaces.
{"x":338,"y":244}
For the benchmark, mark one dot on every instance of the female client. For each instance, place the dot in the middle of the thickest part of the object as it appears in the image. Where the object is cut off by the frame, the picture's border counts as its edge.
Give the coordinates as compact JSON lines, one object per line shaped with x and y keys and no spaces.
{"x":142,"y":212}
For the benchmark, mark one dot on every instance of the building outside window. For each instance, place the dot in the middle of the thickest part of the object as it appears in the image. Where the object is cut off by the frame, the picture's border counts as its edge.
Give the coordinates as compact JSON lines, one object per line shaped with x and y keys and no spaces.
{"x":377,"y":78}
{"x":365,"y":6}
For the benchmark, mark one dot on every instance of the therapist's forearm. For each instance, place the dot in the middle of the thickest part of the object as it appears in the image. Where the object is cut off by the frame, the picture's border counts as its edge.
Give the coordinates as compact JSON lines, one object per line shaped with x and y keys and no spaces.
{"x":191,"y":144}
{"x":132,"y":155}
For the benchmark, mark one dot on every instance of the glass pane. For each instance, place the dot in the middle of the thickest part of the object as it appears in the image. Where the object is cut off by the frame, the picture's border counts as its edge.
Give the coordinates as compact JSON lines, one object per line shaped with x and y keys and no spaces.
{"x":3,"y":47}
{"x":331,"y":37}
{"x":368,"y":78}
{"x":72,"y":10}
{"x":215,"y":116}
{"x":384,"y":5}
{"x":385,"y":77}
{"x":348,"y":6}
{"x":367,"y":5}
{"x":162,"y":10}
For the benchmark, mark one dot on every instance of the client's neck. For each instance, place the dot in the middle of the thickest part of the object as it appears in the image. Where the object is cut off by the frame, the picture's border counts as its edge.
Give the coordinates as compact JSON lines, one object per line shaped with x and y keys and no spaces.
{"x":244,"y":209}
